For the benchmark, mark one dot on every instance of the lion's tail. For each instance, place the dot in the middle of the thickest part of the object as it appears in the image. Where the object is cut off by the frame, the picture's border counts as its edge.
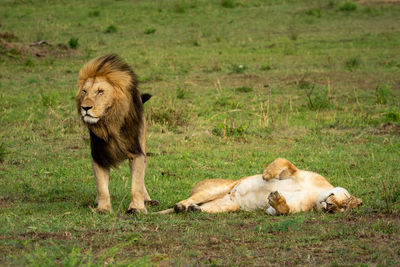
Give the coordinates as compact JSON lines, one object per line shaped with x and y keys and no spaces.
{"x":167,"y":211}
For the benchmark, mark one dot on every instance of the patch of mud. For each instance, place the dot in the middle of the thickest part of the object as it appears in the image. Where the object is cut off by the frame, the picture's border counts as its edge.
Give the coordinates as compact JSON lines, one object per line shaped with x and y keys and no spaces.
{"x":388,"y":128}
{"x":11,"y":46}
{"x":379,"y":1}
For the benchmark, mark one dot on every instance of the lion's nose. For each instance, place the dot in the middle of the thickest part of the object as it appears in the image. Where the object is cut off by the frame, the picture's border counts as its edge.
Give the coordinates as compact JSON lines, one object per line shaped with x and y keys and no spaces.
{"x":86,"y":108}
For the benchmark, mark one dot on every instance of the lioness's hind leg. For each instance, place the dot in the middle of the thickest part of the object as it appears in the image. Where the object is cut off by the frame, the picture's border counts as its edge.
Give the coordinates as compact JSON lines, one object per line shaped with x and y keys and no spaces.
{"x":206,"y":191}
{"x":279,"y":168}
{"x":224,"y":204}
{"x":278,"y":202}
{"x":197,"y":198}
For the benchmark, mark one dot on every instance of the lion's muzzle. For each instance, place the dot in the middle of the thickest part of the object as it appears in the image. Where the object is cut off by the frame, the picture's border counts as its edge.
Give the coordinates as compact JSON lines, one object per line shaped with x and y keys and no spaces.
{"x":87,"y":115}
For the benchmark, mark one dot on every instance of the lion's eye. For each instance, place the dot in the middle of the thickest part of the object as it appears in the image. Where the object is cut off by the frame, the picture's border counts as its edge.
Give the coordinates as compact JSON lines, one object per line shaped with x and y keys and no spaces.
{"x":100,"y":91}
{"x":83,"y":91}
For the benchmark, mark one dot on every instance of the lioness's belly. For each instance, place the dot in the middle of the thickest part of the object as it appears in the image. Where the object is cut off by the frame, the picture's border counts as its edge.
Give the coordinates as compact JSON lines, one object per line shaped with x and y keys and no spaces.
{"x":252,"y":192}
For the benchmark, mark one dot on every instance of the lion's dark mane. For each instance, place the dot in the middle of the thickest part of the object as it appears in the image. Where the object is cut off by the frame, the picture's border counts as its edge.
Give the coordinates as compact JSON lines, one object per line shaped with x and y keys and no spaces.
{"x":117,"y":143}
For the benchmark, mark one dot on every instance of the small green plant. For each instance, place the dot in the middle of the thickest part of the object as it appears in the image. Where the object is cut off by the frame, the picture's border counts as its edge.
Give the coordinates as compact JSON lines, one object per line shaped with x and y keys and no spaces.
{"x":73,"y":43}
{"x":32,"y":80}
{"x":228,"y":3}
{"x":3,"y":152}
{"x":111,"y":29}
{"x":180,"y":93}
{"x":238,"y":68}
{"x":213,"y":68}
{"x":244,"y":89}
{"x":353,"y":63}
{"x":318,"y":98}
{"x":224,"y":130}
{"x":292,"y":36}
{"x":15,"y":53}
{"x":382,"y":92}
{"x":94,"y":13}
{"x":179,"y":8}
{"x":29,"y":62}
{"x":47,"y":100}
{"x":169,"y":117}
{"x":314,"y":12}
{"x":265,"y":67}
{"x":150,"y":31}
{"x":348,"y":7}
{"x":392,"y":115}
{"x":293,"y":33}
{"x":304,"y":84}
{"x":331,"y":4}
{"x":223,"y":103}
{"x":282,"y":226}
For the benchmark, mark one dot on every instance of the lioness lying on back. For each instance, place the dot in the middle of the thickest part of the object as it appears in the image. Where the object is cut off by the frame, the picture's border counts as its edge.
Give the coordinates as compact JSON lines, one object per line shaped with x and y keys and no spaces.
{"x":281,"y":189}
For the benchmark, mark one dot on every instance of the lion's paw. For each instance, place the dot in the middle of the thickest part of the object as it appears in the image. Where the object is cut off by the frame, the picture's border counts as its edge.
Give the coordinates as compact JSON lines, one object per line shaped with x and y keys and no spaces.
{"x":134,"y":211}
{"x":104,"y":208}
{"x":152,"y":202}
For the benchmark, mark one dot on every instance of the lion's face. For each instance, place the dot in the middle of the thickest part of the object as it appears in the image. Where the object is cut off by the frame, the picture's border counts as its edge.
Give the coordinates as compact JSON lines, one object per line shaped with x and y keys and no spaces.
{"x":94,"y":99}
{"x":337,"y":200}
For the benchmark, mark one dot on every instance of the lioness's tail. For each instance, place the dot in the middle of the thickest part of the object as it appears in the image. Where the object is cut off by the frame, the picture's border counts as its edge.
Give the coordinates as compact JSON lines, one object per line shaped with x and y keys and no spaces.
{"x":167,"y":211}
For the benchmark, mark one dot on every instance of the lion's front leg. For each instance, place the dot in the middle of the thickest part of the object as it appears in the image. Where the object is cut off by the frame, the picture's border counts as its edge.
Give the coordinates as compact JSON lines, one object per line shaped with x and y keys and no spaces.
{"x":102,"y":177}
{"x":137,"y":166}
{"x":278,"y":202}
{"x":279,"y":168}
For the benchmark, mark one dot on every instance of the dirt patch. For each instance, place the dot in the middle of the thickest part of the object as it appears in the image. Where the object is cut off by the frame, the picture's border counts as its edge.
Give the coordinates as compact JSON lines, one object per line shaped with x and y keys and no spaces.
{"x":11,"y":46}
{"x":379,"y":2}
{"x":38,"y":236}
{"x":6,"y":202}
{"x":387,"y":128}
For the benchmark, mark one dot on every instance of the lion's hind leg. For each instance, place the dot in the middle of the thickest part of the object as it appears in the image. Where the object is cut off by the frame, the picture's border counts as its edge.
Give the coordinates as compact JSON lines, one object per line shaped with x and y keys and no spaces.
{"x":204,"y":192}
{"x":279,"y":168}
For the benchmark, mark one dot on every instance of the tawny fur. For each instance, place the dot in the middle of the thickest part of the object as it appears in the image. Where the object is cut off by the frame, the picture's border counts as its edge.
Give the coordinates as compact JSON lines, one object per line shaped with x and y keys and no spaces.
{"x":281,"y":189}
{"x":111,"y":107}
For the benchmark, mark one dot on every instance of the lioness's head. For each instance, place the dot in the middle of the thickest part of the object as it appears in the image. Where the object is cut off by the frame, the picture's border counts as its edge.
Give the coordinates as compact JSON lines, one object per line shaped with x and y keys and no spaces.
{"x":104,"y":92}
{"x":337,"y":200}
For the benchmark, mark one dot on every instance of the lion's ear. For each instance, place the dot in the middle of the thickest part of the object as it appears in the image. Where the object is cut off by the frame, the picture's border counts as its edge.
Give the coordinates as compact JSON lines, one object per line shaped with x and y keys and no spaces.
{"x":145,"y":97}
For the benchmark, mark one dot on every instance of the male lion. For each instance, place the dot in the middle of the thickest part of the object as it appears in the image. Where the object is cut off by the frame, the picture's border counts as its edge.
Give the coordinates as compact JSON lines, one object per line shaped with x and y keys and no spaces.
{"x":111,"y":106}
{"x":281,"y":189}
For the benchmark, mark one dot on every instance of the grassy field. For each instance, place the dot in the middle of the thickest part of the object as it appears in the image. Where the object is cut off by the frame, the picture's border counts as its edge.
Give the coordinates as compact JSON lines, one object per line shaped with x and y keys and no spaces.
{"x":235,"y":85}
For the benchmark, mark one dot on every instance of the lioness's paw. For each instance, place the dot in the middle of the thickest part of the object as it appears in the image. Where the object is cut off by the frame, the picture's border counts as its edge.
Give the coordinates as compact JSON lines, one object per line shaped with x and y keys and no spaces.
{"x":274,"y":198}
{"x":278,"y":202}
{"x":269,"y":174}
{"x":194,"y":207}
{"x":266,"y":176}
{"x":179,"y":208}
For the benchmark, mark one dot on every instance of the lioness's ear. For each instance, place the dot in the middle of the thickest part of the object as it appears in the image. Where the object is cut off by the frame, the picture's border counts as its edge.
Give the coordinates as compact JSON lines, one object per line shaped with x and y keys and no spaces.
{"x":145,"y":97}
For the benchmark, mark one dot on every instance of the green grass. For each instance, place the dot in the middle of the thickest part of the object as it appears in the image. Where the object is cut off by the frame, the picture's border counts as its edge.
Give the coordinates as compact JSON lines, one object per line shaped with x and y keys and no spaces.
{"x":235,"y":85}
